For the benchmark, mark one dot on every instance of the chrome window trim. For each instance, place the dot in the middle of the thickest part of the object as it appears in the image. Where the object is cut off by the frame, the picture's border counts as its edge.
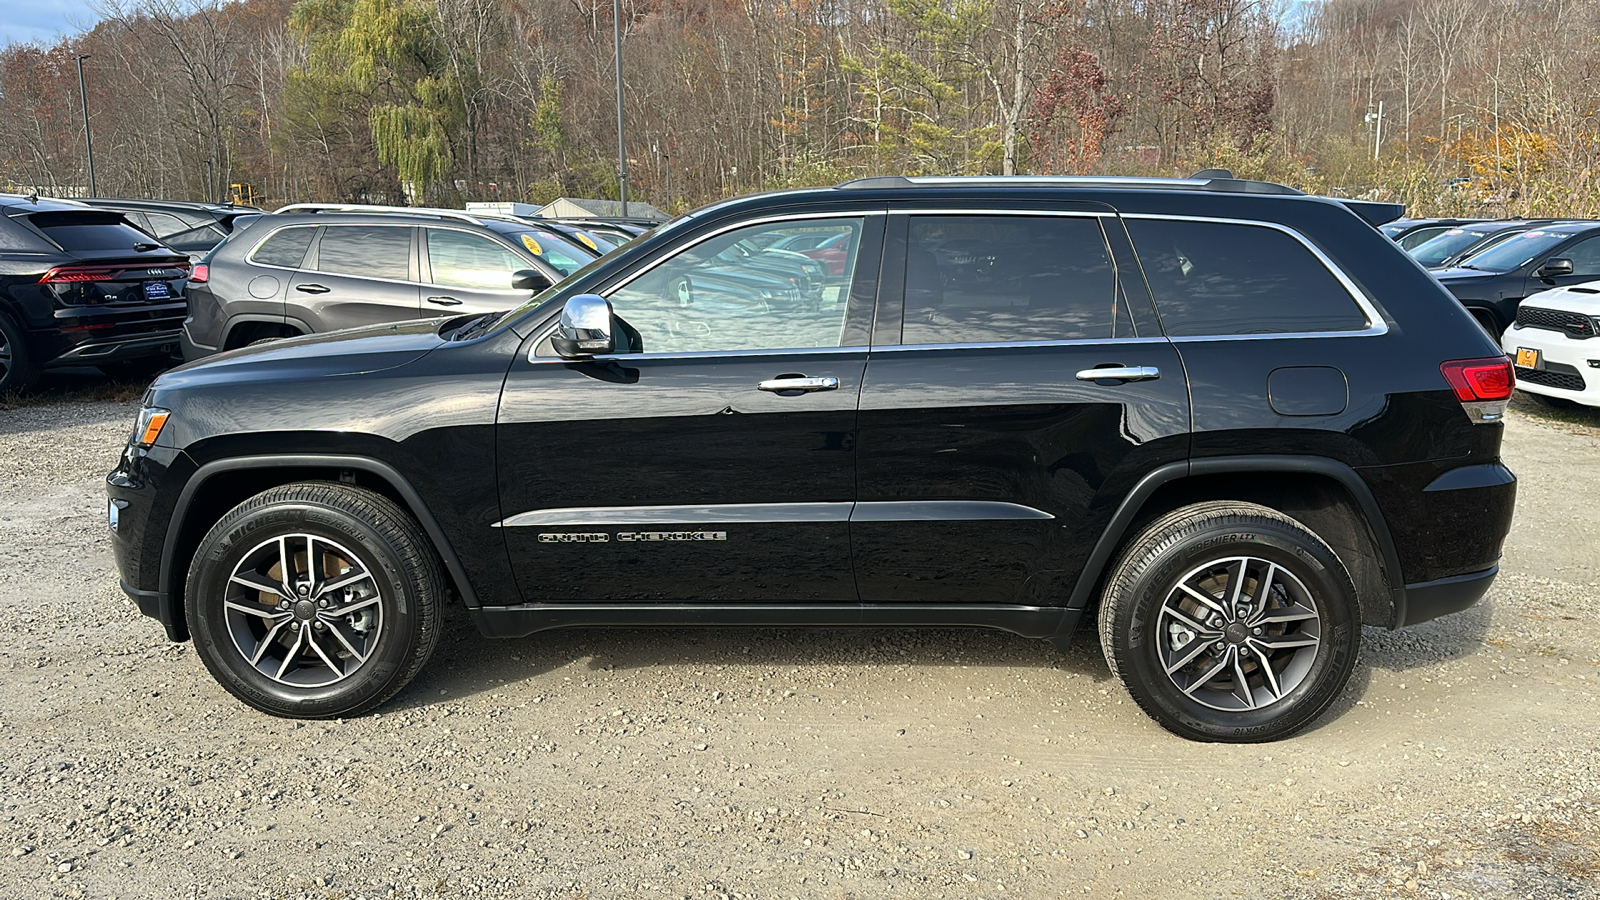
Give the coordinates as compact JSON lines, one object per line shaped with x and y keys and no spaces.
{"x":604,"y":290}
{"x":1000,"y":345}
{"x":704,"y":354}
{"x":1376,"y":325}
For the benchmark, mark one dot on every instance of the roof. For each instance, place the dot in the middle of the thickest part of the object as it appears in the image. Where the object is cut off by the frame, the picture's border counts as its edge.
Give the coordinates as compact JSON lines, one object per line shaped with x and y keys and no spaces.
{"x":580,"y":207}
{"x":146,"y":203}
{"x":38,"y":203}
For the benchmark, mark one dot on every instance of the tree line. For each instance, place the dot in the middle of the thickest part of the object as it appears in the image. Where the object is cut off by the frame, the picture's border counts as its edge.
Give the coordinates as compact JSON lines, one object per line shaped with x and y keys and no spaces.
{"x":1487,"y":106}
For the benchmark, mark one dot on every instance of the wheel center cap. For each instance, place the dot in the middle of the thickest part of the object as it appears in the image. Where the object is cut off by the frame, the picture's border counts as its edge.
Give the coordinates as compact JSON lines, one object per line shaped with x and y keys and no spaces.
{"x":1236,"y":633}
{"x":305,"y":610}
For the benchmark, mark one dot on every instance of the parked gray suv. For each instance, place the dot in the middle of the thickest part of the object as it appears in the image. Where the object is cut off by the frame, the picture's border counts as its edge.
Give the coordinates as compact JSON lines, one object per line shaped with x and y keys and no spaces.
{"x":314,"y":268}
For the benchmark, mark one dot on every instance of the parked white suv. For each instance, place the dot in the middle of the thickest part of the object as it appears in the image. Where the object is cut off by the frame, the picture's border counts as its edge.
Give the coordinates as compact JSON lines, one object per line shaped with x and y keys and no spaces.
{"x":1553,"y":343}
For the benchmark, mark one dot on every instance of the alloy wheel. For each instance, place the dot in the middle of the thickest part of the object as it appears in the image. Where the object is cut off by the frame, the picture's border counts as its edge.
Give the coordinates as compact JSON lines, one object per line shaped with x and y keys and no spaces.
{"x":303,"y":610}
{"x":1238,"y":634}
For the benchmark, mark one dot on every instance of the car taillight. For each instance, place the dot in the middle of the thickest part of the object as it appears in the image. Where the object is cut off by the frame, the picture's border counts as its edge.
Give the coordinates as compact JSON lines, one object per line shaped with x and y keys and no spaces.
{"x":1482,"y":385}
{"x":76,"y":275}
{"x":201,"y":274}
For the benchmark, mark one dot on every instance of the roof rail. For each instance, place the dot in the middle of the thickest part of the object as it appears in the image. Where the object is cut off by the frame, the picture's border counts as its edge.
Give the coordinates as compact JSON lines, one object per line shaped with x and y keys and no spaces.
{"x":474,"y":218}
{"x":1207,"y":180}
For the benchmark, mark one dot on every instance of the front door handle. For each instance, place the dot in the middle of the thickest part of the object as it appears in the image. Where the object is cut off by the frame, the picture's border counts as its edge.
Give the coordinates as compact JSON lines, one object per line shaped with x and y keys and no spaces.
{"x":312,"y":288}
{"x":444,"y":301}
{"x":799,"y":383}
{"x":1121,"y":373}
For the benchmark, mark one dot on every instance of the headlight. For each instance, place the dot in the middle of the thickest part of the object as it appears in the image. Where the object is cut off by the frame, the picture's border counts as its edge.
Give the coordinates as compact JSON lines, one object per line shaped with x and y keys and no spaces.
{"x":151,"y":420}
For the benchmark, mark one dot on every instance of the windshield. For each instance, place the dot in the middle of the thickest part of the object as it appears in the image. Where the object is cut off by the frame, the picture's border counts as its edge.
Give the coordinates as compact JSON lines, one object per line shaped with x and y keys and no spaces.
{"x":554,"y":249}
{"x":1516,"y":252}
{"x":1444,"y":246}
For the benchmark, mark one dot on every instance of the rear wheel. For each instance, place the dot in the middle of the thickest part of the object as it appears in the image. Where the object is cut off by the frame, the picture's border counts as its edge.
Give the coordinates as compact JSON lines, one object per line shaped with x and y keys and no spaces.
{"x":314,"y":600}
{"x":17,"y":372}
{"x":1230,"y":622}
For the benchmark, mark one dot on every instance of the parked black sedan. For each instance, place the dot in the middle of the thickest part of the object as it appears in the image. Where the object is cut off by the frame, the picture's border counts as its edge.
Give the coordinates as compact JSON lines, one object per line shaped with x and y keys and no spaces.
{"x":1492,"y":284}
{"x":1455,"y":245}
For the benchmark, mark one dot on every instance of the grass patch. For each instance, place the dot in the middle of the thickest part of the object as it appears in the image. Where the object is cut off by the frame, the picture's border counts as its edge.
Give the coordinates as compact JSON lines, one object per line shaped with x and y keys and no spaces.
{"x":73,"y":387}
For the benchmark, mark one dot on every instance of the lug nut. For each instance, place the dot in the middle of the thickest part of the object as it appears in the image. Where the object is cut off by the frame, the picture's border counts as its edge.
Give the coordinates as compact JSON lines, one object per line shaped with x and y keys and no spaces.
{"x":323,"y":604}
{"x":1256,"y":631}
{"x":1220,"y":646}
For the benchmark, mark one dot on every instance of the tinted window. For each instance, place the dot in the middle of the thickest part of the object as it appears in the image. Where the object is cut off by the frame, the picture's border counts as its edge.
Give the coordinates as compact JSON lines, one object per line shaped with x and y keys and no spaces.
{"x":286,"y":248}
{"x":165,"y":226}
{"x":1444,"y":246}
{"x":1222,"y":278}
{"x":1422,"y":236}
{"x":700,"y":301}
{"x":89,"y":230}
{"x":367,"y":251}
{"x":1585,"y":256}
{"x":982,"y":279}
{"x":467,"y":260}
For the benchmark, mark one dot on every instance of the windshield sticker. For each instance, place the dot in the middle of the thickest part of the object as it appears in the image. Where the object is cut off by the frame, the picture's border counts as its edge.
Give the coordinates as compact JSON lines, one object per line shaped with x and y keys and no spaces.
{"x":587,"y":242}
{"x":532,"y":245}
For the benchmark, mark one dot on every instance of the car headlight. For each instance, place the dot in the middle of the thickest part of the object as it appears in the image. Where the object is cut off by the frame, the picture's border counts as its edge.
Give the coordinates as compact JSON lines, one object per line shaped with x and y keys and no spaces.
{"x":151,"y":420}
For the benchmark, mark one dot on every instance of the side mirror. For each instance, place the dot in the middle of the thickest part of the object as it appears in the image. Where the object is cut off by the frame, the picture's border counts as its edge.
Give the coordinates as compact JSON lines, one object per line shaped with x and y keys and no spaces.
{"x":528,"y":280}
{"x":1555,"y":267}
{"x":585,"y":328}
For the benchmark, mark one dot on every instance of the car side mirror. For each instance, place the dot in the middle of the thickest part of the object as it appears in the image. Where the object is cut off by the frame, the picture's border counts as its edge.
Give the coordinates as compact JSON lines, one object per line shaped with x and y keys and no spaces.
{"x":1555,"y":267}
{"x":585,"y":328}
{"x":528,"y":280}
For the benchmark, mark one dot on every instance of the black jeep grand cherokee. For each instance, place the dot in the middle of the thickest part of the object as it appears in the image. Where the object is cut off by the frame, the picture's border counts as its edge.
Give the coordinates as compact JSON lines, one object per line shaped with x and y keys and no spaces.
{"x":1233,"y":421}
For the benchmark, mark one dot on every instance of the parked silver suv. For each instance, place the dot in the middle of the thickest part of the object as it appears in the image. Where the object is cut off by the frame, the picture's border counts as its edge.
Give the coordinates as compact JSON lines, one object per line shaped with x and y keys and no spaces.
{"x":312,"y":268}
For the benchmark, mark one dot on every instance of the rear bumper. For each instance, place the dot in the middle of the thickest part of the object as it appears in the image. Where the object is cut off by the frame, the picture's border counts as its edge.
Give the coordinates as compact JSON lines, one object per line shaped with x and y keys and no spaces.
{"x":98,"y":351}
{"x":1432,"y":599}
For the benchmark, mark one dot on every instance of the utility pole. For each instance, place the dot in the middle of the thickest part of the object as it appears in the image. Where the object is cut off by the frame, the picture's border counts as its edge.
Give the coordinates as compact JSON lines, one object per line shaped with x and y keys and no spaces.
{"x":88,"y":139}
{"x":622,"y":146}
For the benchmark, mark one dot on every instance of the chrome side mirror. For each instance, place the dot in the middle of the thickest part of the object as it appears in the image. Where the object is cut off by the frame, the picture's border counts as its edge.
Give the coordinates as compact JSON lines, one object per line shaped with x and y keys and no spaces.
{"x":585,"y":327}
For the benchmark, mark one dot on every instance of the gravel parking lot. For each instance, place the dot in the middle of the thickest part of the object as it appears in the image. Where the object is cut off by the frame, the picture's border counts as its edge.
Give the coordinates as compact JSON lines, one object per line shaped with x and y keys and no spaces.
{"x":1464,"y":760}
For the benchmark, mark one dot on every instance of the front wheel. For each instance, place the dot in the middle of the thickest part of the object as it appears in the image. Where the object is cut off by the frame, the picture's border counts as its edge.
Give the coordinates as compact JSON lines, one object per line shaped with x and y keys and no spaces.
{"x":1230,"y":622}
{"x":314,"y":600}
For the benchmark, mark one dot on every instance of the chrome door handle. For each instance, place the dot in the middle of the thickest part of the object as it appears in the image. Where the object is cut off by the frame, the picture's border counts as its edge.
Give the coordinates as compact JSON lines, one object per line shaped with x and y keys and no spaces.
{"x":444,"y":301}
{"x":800,"y":383}
{"x":312,"y":288}
{"x":1121,"y":373}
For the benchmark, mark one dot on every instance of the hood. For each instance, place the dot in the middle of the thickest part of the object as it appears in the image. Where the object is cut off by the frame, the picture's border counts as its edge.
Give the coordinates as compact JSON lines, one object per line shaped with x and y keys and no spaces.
{"x":1456,"y":273}
{"x":349,"y":352}
{"x":1578,"y":298}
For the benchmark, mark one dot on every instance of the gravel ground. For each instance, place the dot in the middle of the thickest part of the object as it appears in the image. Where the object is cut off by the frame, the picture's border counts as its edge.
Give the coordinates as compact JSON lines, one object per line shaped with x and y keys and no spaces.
{"x":1464,"y":761}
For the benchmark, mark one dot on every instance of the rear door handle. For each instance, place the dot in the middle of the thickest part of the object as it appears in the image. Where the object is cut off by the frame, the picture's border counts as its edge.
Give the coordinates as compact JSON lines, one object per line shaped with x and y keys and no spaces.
{"x":1121,"y":373}
{"x":444,"y":301}
{"x":800,"y":383}
{"x":312,"y":288}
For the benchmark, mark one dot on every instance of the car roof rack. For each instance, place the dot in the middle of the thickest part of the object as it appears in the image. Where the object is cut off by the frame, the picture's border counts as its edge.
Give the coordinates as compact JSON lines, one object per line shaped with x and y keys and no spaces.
{"x":1204,"y":180}
{"x":474,"y":218}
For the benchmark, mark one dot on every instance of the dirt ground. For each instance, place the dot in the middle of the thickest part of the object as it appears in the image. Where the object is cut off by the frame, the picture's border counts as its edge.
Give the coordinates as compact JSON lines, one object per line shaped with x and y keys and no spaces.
{"x":1464,"y":760}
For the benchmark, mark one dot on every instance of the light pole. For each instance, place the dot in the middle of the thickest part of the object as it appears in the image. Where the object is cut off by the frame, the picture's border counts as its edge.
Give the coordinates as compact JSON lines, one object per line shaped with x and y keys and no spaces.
{"x":88,"y":139}
{"x":622,"y":146}
{"x":1376,"y":119}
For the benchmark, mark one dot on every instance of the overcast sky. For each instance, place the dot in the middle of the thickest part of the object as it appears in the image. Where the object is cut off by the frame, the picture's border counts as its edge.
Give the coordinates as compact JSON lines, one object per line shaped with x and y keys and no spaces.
{"x":43,"y":20}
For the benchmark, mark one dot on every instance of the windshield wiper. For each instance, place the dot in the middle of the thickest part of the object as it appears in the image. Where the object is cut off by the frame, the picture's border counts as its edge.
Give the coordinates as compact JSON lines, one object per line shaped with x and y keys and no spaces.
{"x":472,"y":328}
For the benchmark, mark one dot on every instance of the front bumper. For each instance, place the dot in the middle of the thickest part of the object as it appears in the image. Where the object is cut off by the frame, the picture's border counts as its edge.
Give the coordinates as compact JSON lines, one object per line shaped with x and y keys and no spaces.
{"x":138,"y":539}
{"x":1568,"y":367}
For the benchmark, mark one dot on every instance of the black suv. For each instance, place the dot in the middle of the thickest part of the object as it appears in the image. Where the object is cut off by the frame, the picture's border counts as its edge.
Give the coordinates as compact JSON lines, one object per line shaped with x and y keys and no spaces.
{"x":1233,"y":421}
{"x":193,"y":228}
{"x":80,"y":287}
{"x":1491,"y":284}
{"x":312,"y":268}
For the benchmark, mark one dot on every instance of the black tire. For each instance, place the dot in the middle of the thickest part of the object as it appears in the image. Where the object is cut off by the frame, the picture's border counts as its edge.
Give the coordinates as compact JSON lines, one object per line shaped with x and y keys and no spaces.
{"x":17,"y":371}
{"x":383,"y":545}
{"x":1287,"y":683}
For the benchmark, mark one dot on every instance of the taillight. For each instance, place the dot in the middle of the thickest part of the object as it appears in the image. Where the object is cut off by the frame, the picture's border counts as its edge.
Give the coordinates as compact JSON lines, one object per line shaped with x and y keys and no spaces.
{"x":1482,"y":385}
{"x":76,"y":275}
{"x":201,"y":274}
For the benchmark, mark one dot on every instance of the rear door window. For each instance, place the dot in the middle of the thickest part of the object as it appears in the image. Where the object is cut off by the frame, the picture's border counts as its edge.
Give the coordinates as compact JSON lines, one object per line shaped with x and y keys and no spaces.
{"x":286,"y":247}
{"x":73,"y":230}
{"x":987,"y":279}
{"x":366,"y":251}
{"x":1222,"y":278}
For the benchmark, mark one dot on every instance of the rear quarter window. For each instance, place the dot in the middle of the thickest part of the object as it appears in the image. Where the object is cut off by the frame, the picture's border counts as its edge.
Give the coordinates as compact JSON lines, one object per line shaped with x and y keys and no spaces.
{"x":73,"y":230}
{"x":1224,"y":278}
{"x":286,"y":247}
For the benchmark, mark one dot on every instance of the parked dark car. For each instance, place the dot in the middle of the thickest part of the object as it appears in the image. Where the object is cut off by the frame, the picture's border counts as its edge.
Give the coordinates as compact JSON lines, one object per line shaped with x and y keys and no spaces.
{"x":1231,"y":422}
{"x":597,"y":243}
{"x":311,"y":269}
{"x":620,"y":230}
{"x":1409,"y":233}
{"x":1491,"y":284}
{"x":81,"y":286}
{"x":193,"y":228}
{"x":1454,"y":245}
